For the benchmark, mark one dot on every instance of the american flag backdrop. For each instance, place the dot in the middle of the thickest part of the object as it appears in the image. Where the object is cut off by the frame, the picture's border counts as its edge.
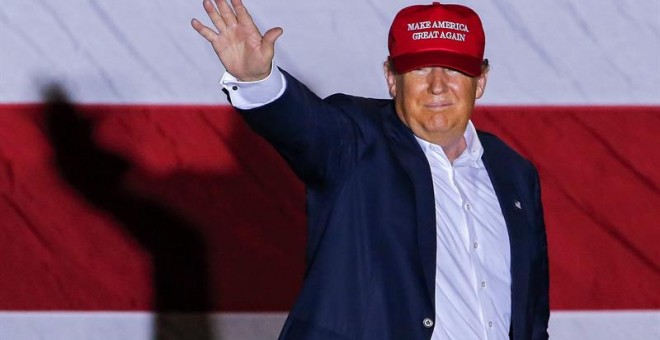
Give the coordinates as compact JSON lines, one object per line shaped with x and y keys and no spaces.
{"x":135,"y":203}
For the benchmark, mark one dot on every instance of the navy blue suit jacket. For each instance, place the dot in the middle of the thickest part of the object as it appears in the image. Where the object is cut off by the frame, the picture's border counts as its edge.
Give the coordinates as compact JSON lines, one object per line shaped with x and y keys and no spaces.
{"x":371,"y":219}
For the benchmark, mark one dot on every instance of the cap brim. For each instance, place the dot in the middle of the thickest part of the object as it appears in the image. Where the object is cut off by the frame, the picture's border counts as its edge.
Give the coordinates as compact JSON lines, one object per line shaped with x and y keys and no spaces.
{"x":466,"y":64}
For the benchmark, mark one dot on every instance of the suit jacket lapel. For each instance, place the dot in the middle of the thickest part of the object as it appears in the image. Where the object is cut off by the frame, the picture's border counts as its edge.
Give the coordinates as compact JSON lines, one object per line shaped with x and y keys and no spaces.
{"x":411,"y":157}
{"x":506,"y":189}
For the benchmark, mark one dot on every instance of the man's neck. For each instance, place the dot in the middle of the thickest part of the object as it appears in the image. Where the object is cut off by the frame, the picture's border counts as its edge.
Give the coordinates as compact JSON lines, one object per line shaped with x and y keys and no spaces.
{"x":456,"y":149}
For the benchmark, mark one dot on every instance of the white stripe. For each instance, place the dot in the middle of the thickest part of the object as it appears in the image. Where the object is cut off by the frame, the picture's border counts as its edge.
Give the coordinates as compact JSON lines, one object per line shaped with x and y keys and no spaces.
{"x":130,"y":51}
{"x":591,"y":325}
{"x":595,"y":325}
{"x":138,"y":326}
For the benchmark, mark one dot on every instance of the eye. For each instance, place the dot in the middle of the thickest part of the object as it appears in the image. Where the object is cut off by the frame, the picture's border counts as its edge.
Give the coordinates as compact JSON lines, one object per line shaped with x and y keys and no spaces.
{"x":451,"y":72}
{"x":421,"y":71}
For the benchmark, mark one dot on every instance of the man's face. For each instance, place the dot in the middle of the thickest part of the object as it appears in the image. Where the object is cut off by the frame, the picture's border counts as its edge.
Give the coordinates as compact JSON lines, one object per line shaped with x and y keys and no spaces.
{"x":435,"y":102}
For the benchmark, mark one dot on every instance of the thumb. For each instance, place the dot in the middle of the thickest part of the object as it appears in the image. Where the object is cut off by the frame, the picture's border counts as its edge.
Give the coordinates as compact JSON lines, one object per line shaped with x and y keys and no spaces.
{"x":271,"y":35}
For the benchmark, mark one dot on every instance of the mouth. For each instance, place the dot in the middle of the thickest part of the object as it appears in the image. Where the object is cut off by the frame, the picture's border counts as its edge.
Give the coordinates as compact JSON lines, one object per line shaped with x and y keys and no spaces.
{"x":437,"y":106}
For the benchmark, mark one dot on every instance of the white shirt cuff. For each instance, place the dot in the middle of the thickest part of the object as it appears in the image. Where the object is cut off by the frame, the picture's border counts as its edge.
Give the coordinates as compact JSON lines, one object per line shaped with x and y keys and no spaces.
{"x":247,"y":95}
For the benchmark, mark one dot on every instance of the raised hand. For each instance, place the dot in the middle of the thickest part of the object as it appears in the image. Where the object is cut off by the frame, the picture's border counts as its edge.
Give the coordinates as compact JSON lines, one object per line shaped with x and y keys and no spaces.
{"x":245,"y":53}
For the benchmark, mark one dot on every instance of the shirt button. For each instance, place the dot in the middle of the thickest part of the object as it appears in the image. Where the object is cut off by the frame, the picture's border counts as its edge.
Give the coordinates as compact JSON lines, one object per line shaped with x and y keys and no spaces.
{"x":468,"y":206}
{"x":475,"y":245}
{"x":483,"y":284}
{"x":490,"y":324}
{"x":428,"y":323}
{"x":234,"y":87}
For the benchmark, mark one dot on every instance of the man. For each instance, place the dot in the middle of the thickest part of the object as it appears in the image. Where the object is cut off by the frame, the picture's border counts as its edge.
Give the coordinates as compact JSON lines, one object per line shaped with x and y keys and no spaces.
{"x":420,"y":227}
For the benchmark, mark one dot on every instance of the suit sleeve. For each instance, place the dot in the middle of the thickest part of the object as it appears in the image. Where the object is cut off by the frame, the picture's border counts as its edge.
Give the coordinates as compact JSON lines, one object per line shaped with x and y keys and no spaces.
{"x":318,"y":138}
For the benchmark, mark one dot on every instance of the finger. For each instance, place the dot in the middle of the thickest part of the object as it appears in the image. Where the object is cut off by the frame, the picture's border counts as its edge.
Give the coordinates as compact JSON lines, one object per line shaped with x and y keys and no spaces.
{"x":271,"y":35}
{"x":226,"y":13}
{"x":204,"y":31}
{"x":214,"y":15}
{"x":242,"y":14}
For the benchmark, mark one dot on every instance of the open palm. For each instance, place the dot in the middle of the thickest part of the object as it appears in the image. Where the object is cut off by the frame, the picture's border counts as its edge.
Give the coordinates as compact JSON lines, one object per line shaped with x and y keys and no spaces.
{"x":245,"y":53}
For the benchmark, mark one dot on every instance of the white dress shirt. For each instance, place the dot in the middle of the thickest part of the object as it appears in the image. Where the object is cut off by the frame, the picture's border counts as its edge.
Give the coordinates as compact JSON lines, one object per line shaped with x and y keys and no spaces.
{"x":473,"y":278}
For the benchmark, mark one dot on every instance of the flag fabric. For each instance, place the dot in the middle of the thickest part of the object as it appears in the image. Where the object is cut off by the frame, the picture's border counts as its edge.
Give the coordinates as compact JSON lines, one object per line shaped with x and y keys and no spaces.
{"x":134,"y":202}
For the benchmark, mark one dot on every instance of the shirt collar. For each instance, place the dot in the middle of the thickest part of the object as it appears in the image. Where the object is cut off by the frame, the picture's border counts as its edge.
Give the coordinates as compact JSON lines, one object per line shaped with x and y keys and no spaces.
{"x":472,"y":153}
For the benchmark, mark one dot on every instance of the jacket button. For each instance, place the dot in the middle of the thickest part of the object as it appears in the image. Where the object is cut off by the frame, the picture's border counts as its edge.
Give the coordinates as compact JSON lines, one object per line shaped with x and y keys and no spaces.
{"x":428,"y":323}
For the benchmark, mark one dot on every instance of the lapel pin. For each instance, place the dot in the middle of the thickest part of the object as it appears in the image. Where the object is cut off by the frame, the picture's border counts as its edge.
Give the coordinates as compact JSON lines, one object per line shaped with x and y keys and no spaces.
{"x":517,"y":204}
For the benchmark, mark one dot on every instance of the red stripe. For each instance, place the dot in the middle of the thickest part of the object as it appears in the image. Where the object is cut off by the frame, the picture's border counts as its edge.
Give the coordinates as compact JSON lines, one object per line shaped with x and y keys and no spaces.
{"x":198,"y":175}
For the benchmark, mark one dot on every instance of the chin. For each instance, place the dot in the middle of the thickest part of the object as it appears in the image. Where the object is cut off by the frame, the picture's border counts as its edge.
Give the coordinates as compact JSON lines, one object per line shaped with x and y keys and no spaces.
{"x":438,"y":123}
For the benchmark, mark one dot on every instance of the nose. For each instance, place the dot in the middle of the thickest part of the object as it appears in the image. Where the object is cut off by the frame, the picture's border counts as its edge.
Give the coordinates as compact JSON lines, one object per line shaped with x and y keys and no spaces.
{"x":437,"y":80}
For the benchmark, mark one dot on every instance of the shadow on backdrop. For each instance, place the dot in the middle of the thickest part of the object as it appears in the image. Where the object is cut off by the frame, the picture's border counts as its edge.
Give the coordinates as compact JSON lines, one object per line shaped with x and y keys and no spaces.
{"x":182,"y":296}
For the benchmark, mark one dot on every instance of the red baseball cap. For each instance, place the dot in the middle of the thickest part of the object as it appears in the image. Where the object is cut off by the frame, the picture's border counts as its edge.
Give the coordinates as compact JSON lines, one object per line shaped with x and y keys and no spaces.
{"x":437,"y":35}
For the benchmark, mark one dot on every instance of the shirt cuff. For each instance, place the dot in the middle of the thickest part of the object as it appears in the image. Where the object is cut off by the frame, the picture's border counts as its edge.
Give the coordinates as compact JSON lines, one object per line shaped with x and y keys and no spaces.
{"x":247,"y":95}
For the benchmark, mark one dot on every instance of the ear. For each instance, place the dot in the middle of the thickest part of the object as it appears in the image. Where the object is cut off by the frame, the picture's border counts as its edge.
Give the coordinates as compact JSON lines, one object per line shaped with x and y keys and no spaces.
{"x":481,"y":82}
{"x":390,"y":77}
